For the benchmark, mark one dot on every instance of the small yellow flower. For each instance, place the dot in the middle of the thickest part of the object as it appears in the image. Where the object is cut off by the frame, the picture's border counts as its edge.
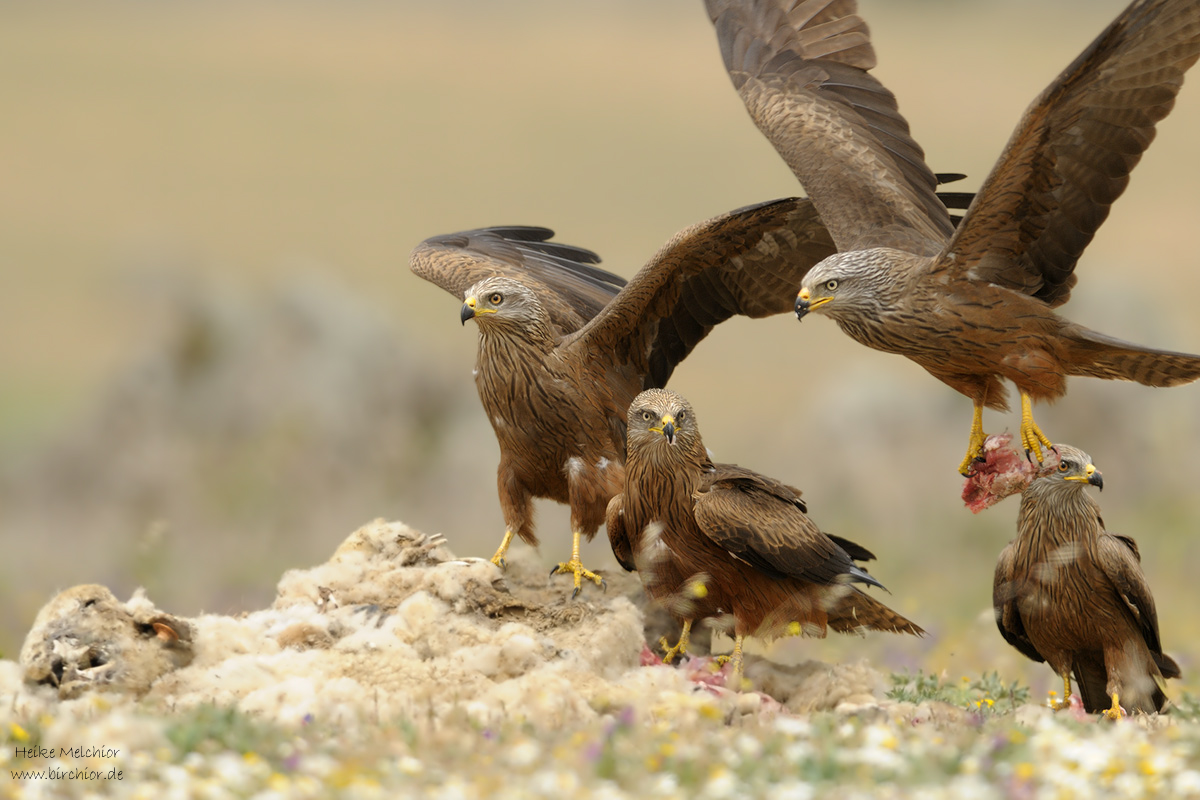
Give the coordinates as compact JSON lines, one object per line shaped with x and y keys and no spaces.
{"x":278,"y":782}
{"x":18,"y":733}
{"x":698,"y":589}
{"x":1025,"y":770}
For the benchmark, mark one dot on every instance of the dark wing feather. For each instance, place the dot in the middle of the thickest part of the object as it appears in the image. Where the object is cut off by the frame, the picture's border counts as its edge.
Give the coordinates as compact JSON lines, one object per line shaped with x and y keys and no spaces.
{"x":853,"y":549}
{"x":750,"y":261}
{"x":1008,"y":611}
{"x":614,"y":524}
{"x":1121,"y":565}
{"x":1129,"y":542}
{"x":767,"y":529}
{"x":1071,"y":155}
{"x":730,"y":473}
{"x":1091,"y":679}
{"x":801,"y":68}
{"x":570,"y":289}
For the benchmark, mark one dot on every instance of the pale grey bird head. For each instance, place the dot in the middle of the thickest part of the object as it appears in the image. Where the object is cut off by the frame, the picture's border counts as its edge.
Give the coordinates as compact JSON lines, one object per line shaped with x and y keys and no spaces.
{"x":853,"y":283}
{"x":1074,"y":471}
{"x":499,"y":303}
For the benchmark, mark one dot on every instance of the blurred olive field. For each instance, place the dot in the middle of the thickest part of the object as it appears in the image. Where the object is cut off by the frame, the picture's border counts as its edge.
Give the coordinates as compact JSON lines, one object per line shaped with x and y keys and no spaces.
{"x":215,"y":363}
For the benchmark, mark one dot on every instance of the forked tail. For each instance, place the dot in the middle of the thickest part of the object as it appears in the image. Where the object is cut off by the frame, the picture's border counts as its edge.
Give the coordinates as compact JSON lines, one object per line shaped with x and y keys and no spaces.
{"x":1099,"y":356}
{"x":855,"y":611}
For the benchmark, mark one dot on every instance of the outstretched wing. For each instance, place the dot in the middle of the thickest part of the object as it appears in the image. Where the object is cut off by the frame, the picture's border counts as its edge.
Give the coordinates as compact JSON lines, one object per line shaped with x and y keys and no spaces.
{"x":750,"y":262}
{"x":762,"y":522}
{"x":1006,"y":607}
{"x":801,"y":68}
{"x":570,"y":289}
{"x":1070,"y":156}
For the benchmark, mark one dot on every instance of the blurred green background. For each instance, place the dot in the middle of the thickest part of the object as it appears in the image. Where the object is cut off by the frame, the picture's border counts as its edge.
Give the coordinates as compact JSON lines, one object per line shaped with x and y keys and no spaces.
{"x":215,"y":363}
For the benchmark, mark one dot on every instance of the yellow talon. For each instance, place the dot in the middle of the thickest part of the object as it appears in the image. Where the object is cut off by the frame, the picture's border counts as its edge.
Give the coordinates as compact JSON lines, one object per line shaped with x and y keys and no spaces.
{"x":679,"y":649}
{"x":1032,"y":438}
{"x":575,"y":567}
{"x":1115,"y":712}
{"x":737,"y":678}
{"x":975,"y":442}
{"x":498,"y":559}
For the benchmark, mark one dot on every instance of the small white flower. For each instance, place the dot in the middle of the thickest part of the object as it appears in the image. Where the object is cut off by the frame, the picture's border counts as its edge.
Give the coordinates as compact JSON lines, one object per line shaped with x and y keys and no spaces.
{"x":721,"y":784}
{"x":524,"y":754}
{"x":792,"y":790}
{"x":793,"y":726}
{"x":1186,"y":783}
{"x":665,"y":785}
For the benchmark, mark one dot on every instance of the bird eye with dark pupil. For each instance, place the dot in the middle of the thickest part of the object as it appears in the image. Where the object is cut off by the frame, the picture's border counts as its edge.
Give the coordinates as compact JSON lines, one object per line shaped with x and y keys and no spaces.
{"x":830,"y":285}
{"x":496,"y":299}
{"x":681,"y":416}
{"x":646,"y":415}
{"x":1063,"y":466}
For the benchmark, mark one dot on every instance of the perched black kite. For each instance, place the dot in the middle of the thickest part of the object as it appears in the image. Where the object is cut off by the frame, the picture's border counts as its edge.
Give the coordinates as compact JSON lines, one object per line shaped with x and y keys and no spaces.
{"x":1071,"y":594}
{"x":721,"y":542}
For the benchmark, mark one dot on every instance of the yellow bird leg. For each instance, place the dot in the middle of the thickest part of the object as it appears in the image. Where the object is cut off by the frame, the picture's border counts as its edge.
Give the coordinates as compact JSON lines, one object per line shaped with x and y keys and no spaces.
{"x":576,"y":568}
{"x":679,"y":649}
{"x":737,"y":678}
{"x":1058,"y":705}
{"x":974,"y":442}
{"x":498,"y":559}
{"x":1032,"y":437}
{"x":1115,"y":712}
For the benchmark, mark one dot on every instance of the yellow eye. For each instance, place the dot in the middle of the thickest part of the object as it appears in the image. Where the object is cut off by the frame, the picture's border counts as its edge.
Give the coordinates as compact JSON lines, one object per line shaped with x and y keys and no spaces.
{"x":646,"y":415}
{"x":681,"y":416}
{"x":1063,"y":466}
{"x":496,"y":298}
{"x":830,"y":285}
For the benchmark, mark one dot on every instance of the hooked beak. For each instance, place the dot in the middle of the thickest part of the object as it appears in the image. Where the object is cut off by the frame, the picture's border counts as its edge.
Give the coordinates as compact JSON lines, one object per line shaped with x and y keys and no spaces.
{"x":805,"y":304}
{"x":668,"y":428}
{"x":468,"y":310}
{"x":1090,"y":475}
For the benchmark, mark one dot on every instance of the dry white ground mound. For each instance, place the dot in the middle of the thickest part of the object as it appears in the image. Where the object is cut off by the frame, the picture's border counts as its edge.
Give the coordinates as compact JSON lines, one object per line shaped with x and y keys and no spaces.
{"x":394,"y":625}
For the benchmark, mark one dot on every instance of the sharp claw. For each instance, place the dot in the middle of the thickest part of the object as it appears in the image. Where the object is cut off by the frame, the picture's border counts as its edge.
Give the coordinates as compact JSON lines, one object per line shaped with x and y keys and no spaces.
{"x":604,"y":585}
{"x":575,"y":593}
{"x":553,"y":571}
